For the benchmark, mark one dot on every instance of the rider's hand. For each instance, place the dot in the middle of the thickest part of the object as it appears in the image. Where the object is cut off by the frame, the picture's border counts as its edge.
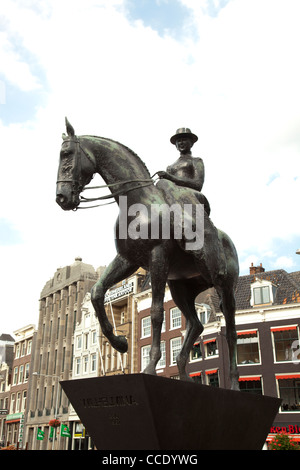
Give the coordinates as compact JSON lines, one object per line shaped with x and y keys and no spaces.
{"x":161,"y":174}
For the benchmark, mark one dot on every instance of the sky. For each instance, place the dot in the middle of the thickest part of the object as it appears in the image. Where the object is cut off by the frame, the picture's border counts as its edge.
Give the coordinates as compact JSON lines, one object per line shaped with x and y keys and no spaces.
{"x":135,"y":71}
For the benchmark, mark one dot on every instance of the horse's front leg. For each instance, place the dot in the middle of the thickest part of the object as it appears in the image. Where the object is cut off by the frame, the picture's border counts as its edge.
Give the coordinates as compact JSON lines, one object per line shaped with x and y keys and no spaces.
{"x":119,"y":269}
{"x":159,"y":273}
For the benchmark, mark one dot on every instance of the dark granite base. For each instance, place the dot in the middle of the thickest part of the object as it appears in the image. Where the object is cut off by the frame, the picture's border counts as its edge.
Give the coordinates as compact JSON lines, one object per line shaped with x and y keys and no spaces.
{"x":139,"y":411}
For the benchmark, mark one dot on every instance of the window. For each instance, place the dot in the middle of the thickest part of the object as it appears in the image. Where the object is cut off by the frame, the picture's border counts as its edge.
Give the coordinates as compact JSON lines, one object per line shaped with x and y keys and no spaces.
{"x":29,"y":344}
{"x":93,"y":362}
{"x":94,"y":337}
{"x":21,"y":374}
{"x":210,"y":347}
{"x":12,"y":403}
{"x":77,"y":366}
{"x":78,"y":342}
{"x":15,"y":375}
{"x":212,"y":378}
{"x":18,"y":402}
{"x":57,"y":330}
{"x":85,"y":364}
{"x":283,"y":338}
{"x":146,"y":327}
{"x":27,"y":367}
{"x":247,"y":347}
{"x":289,"y":392}
{"x":196,"y":353}
{"x":175,"y":314}
{"x":175,"y":346}
{"x":262,"y":292}
{"x":261,"y":295}
{"x":162,"y":362}
{"x":66,"y":323}
{"x":196,"y":376}
{"x":203,"y":313}
{"x":24,"y":398}
{"x":251,"y":385}
{"x":23,"y":348}
{"x":145,"y":356}
{"x":86,"y":341}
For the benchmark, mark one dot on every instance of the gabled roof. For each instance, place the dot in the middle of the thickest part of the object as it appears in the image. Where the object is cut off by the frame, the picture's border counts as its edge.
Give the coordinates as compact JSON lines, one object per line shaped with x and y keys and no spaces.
{"x":6,"y":337}
{"x":287,"y":288}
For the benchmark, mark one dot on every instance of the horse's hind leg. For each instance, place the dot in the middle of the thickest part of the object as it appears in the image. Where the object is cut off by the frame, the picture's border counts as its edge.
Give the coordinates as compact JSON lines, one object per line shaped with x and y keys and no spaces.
{"x":228,"y":309}
{"x":184,"y":294}
{"x":158,"y":272}
{"x":119,"y":269}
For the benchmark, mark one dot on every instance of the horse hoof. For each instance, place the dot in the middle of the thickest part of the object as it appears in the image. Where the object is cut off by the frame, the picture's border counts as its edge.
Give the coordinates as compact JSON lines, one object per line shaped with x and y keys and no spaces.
{"x":235,"y":386}
{"x":120,"y":344}
{"x":149,"y":371}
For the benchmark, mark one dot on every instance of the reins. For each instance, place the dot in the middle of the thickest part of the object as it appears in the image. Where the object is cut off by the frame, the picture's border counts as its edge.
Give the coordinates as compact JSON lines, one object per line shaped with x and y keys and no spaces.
{"x":112,"y":195}
{"x":148,"y":182}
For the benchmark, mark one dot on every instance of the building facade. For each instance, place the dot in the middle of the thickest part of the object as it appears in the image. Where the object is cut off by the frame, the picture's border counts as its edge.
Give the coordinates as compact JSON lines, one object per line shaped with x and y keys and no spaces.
{"x":19,"y":391}
{"x":59,"y":312}
{"x":6,"y":361}
{"x":93,"y":354}
{"x":86,"y":364}
{"x":268,"y":347}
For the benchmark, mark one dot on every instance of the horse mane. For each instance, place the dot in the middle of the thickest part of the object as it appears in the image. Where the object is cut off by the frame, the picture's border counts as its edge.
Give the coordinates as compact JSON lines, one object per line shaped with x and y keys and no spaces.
{"x":121,"y":145}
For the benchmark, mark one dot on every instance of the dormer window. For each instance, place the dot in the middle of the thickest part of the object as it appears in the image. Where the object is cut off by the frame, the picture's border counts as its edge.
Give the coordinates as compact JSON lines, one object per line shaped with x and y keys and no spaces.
{"x":203,"y":312}
{"x":262,"y":292}
{"x":261,"y":295}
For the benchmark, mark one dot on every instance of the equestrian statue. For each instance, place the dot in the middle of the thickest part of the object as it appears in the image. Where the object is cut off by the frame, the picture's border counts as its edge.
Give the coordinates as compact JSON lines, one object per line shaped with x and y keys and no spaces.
{"x":190,"y":254}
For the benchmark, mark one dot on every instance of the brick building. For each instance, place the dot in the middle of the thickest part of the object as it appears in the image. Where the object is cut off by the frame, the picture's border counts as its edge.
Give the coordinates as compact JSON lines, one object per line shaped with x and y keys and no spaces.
{"x":6,"y":360}
{"x":19,"y":392}
{"x":268,"y":349}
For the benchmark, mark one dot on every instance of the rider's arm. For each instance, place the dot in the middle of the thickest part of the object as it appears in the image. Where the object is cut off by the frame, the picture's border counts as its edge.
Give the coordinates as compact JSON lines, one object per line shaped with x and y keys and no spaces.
{"x":192,"y":179}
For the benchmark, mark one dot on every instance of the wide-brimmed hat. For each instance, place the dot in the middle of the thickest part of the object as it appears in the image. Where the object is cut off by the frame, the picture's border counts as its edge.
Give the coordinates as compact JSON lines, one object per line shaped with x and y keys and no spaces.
{"x":183,"y":132}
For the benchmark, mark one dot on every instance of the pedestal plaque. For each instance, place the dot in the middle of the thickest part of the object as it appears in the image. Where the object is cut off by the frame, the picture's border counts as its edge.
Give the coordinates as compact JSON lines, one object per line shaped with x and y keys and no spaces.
{"x":144,"y":412}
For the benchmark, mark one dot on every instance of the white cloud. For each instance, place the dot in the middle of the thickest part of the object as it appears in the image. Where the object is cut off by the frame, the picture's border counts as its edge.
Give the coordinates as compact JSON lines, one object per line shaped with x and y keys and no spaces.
{"x":284,"y":262}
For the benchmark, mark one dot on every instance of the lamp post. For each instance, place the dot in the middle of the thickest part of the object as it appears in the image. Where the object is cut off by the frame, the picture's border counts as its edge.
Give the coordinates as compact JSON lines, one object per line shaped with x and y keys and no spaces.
{"x":56,"y":401}
{"x":298,"y":252}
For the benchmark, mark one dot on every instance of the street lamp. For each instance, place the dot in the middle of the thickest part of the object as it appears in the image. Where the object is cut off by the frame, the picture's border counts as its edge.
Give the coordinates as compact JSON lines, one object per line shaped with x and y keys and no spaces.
{"x":298,"y":252}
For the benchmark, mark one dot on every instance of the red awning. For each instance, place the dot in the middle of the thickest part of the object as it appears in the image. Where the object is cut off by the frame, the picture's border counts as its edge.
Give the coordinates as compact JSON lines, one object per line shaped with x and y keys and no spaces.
{"x":284,"y":328}
{"x":287,"y":376}
{"x":209,"y":341}
{"x":245,"y":379}
{"x":195,"y":374}
{"x":250,"y":332}
{"x":211,"y":371}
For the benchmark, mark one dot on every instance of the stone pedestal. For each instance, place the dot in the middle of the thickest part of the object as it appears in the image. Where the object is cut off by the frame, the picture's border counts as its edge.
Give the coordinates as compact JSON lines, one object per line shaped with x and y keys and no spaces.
{"x":143,"y":412}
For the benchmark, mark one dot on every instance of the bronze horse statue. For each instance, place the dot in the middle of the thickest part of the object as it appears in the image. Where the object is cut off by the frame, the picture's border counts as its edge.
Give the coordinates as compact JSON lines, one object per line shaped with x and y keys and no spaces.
{"x":188,"y":272}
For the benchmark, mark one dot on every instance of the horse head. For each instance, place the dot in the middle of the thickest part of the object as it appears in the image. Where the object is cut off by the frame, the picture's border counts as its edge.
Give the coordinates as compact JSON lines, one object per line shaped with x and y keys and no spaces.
{"x":76,"y":169}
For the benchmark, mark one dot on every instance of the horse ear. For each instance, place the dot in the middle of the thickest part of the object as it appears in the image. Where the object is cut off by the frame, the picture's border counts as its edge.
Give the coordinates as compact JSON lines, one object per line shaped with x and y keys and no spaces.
{"x":70,"y":129}
{"x":63,"y":136}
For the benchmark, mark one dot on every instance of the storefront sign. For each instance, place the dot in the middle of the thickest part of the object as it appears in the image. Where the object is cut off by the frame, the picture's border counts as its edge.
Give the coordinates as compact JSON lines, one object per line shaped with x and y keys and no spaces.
{"x":118,"y":292}
{"x":21,"y":430}
{"x":14,"y":417}
{"x":290,"y":429}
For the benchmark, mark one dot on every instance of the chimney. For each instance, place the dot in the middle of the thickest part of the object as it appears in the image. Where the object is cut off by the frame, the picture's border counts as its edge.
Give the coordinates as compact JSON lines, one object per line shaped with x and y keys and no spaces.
{"x":256,"y":269}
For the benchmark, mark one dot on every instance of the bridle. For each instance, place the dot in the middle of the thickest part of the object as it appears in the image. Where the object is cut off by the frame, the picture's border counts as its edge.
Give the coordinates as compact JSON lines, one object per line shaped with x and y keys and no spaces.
{"x":78,"y":186}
